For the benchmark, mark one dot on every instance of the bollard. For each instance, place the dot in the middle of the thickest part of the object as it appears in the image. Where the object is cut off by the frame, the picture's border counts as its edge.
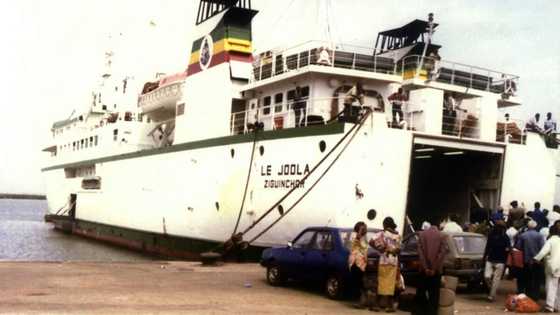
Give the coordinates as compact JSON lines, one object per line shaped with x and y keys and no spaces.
{"x":210,"y":258}
{"x":447,"y":295}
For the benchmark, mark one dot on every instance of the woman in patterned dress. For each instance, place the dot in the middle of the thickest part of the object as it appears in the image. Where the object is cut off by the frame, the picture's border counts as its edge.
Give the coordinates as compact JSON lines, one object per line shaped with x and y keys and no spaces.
{"x":357,"y":261}
{"x":387,"y":242}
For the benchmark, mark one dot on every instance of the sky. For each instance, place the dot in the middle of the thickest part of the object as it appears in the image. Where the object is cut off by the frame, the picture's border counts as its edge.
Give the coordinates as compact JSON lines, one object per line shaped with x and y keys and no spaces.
{"x":52,"y":52}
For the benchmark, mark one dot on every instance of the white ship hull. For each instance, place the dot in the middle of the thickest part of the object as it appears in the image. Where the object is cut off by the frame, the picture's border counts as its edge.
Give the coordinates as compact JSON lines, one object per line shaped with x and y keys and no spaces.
{"x":196,"y":193}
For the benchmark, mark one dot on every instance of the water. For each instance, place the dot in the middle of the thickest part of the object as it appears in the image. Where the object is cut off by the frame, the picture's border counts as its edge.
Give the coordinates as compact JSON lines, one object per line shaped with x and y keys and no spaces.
{"x":24,"y":236}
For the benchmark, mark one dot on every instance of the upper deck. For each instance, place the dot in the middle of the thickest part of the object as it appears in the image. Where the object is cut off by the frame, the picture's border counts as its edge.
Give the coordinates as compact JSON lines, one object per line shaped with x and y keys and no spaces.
{"x":388,"y":66}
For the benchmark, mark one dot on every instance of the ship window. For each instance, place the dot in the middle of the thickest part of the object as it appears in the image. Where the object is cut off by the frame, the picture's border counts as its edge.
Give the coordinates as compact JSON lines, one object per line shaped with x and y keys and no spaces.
{"x":266,"y":105}
{"x":115,"y":134}
{"x":91,"y":141}
{"x":86,"y":142}
{"x":140,"y":117}
{"x":278,"y":98}
{"x":82,"y":144}
{"x":91,"y":183}
{"x":95,"y":140}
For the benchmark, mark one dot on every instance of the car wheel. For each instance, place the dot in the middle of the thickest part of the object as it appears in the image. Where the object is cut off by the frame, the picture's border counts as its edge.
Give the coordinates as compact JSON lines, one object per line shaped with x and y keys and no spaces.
{"x":333,"y":287}
{"x":274,"y":276}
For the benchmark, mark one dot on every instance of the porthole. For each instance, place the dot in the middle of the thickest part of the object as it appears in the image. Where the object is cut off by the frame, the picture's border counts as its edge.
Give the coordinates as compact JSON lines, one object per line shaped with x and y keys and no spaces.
{"x":280,"y":209}
{"x":322,"y":145}
{"x":217,"y":206}
{"x":371,"y":214}
{"x":261,"y":150}
{"x":232,"y":152}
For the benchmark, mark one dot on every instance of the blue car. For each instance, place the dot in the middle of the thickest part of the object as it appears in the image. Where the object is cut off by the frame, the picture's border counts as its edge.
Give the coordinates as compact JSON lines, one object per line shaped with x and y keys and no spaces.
{"x":318,"y":254}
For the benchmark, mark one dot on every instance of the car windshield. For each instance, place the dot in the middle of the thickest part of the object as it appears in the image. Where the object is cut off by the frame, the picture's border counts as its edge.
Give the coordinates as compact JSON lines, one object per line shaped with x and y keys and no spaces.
{"x":469,"y":244}
{"x":345,"y":236}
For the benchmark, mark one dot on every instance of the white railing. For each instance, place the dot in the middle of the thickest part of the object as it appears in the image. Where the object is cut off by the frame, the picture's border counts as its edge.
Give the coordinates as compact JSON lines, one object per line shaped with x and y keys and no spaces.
{"x":276,"y":62}
{"x":272,"y":63}
{"x":459,"y":74}
{"x":458,"y":123}
{"x":511,"y":131}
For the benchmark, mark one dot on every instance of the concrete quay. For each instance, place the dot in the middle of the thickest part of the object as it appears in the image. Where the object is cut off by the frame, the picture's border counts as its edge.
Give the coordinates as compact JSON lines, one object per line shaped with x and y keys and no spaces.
{"x":175,"y":287}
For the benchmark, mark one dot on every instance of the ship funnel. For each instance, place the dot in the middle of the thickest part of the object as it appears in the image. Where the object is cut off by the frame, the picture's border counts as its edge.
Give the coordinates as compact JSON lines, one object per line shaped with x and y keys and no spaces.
{"x":223,"y":34}
{"x":221,"y":61}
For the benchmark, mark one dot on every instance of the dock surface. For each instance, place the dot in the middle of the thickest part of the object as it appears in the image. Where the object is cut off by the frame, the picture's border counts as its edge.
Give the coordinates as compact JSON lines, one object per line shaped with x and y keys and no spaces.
{"x":172,"y":288}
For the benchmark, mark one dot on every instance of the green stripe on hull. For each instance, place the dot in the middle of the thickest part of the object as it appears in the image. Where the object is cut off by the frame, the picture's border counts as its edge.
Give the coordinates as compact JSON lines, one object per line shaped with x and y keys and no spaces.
{"x":333,"y":128}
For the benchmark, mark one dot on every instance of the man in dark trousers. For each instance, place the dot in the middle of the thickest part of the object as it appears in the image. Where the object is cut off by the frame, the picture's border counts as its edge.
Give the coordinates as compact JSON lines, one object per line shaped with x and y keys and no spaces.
{"x":432,"y":248}
{"x":299,"y":108}
{"x":397,"y":100}
{"x":530,"y":242}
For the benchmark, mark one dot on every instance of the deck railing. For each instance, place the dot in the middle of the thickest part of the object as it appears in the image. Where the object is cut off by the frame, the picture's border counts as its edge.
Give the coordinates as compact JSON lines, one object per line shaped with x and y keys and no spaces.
{"x":459,"y":74}
{"x":273,"y":63}
{"x":276,"y":62}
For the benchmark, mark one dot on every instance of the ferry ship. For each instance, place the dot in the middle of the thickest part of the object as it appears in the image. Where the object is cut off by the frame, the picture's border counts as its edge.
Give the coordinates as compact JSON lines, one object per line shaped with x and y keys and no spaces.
{"x":260,"y":145}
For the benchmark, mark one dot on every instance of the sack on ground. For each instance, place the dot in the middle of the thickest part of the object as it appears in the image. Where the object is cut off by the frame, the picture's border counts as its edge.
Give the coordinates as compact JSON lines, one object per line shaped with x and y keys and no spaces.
{"x":521,"y":304}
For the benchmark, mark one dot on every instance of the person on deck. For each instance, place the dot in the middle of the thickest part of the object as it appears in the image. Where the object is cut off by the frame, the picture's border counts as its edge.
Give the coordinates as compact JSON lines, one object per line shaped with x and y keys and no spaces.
{"x":533,"y":124}
{"x":449,"y":114}
{"x":551,"y":251}
{"x":530,"y":242}
{"x":356,"y":93}
{"x":432,"y":248}
{"x":549,"y":124}
{"x":397,"y":100}
{"x":387,"y":243}
{"x":299,"y":107}
{"x":495,"y":256}
{"x":433,"y":66}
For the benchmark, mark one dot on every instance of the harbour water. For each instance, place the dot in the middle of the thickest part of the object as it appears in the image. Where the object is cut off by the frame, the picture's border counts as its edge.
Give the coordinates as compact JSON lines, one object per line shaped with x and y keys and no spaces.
{"x":25,"y":236}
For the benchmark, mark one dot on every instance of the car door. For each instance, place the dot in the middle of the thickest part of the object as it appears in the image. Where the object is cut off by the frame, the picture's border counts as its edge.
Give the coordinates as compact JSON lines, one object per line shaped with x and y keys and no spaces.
{"x":410,"y":261}
{"x":294,"y":257}
{"x":316,"y":259}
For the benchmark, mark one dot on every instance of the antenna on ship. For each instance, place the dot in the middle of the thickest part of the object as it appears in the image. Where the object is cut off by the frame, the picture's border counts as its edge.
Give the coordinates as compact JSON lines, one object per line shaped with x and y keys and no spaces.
{"x":430,"y":30}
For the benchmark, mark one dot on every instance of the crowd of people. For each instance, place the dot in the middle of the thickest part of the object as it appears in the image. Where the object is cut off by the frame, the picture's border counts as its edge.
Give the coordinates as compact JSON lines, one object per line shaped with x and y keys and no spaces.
{"x":522,"y":245}
{"x":526,"y":245}
{"x":432,"y":249}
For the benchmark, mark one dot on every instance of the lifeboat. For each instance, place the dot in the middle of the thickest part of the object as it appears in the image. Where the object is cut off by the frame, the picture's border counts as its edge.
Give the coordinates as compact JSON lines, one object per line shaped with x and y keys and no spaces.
{"x":158,"y":99}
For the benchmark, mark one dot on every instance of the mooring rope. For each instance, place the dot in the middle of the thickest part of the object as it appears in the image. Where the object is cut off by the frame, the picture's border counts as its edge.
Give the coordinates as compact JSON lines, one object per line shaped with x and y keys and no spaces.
{"x":246,"y":182}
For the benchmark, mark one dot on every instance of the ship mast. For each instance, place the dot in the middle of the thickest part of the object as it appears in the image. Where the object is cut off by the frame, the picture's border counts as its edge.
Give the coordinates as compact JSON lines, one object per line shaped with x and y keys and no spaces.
{"x":428,"y":42}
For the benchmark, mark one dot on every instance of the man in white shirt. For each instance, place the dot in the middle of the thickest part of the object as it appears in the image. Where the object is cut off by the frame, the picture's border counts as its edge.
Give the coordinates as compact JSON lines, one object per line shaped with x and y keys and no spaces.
{"x":549,"y":124}
{"x":452,"y":226}
{"x":533,"y":124}
{"x":551,"y":250}
{"x":553,"y":215}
